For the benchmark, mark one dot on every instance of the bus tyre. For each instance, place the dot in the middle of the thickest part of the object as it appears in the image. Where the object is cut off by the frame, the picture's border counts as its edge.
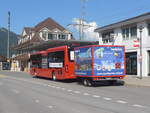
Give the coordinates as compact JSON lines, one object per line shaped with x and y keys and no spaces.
{"x":54,"y":76}
{"x":87,"y":82}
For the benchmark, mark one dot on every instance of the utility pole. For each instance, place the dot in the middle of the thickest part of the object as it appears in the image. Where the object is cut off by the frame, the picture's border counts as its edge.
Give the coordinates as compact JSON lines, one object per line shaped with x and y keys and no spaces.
{"x":140,"y":29}
{"x":8,"y":48}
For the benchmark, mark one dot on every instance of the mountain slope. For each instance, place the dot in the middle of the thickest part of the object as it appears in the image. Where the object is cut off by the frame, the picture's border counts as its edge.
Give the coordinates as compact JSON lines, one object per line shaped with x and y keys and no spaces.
{"x":3,"y":41}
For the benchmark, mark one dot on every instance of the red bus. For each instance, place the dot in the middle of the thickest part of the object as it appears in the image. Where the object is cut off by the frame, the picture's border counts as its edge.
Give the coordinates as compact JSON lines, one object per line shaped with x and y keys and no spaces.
{"x":56,"y":63}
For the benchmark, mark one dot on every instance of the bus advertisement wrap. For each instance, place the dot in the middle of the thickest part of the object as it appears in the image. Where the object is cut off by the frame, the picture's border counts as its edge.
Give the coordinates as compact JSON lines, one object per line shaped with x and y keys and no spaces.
{"x":108,"y":61}
{"x":83,"y":61}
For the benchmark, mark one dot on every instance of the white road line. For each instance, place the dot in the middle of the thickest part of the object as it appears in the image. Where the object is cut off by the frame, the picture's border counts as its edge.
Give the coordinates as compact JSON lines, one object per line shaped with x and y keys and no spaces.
{"x":77,"y":92}
{"x":137,"y":105}
{"x":57,"y":87}
{"x":53,"y":86}
{"x":63,"y":88}
{"x":95,"y":96}
{"x":106,"y":98}
{"x":15,"y":91}
{"x":37,"y":101}
{"x":69,"y":90}
{"x":86,"y":94}
{"x":50,"y":107}
{"x":122,"y":102}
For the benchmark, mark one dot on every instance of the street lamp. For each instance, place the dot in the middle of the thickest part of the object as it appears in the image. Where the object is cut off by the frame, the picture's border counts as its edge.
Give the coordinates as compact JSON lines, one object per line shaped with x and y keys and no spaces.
{"x":140,"y":30}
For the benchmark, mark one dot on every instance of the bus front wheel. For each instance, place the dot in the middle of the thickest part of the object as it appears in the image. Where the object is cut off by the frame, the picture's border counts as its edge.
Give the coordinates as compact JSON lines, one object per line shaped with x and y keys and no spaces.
{"x":54,"y":76}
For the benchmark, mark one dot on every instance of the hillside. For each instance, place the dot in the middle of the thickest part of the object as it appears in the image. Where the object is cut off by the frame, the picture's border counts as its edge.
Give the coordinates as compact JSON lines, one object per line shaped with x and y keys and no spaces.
{"x":3,"y":41}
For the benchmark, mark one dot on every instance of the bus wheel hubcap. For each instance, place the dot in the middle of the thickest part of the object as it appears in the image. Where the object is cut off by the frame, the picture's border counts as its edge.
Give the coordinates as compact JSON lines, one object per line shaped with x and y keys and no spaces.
{"x":54,"y":77}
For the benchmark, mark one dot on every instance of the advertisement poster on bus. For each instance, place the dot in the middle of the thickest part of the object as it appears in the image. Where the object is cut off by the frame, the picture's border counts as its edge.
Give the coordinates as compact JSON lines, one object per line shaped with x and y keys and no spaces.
{"x":83,"y":61}
{"x":108,"y":61}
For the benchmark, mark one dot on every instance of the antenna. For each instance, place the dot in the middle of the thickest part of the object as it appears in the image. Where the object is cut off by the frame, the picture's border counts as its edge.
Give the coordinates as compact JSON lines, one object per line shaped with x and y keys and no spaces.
{"x":82,"y":25}
{"x":8,"y":35}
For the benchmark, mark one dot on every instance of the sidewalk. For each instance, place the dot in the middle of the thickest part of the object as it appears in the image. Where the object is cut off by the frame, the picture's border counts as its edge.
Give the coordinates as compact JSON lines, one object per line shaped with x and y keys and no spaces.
{"x":136,"y":81}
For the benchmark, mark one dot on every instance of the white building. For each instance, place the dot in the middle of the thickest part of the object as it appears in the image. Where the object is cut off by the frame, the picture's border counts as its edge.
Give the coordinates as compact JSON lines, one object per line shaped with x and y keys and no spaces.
{"x":125,"y":33}
{"x":47,"y":30}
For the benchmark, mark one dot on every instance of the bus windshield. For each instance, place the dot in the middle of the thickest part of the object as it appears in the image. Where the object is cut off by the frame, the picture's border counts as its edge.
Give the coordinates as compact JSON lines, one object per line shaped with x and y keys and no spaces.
{"x":56,"y":59}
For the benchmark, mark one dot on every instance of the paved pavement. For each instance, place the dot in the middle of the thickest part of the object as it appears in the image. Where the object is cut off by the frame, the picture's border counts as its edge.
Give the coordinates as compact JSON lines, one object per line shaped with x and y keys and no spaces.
{"x":136,"y":81}
{"x":20,"y":93}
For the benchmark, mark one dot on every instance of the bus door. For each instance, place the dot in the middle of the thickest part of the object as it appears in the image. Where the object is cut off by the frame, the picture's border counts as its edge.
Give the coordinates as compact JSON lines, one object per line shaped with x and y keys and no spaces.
{"x":56,"y":61}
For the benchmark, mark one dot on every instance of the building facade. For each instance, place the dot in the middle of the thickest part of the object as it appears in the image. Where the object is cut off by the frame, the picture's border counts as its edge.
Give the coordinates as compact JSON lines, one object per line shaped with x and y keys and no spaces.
{"x":47,"y":30}
{"x":133,"y":33}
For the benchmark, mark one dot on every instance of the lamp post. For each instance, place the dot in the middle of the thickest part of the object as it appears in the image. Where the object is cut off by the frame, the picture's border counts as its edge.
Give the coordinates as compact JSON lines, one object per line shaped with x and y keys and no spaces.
{"x":140,"y":30}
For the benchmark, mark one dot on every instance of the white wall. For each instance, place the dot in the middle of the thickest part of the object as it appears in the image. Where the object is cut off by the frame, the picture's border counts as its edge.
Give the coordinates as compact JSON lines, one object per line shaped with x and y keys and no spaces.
{"x":129,"y":46}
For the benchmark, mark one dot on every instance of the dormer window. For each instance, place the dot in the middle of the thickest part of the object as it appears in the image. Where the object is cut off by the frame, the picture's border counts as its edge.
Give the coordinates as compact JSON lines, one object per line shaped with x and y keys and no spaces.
{"x":62,"y":36}
{"x":52,"y":36}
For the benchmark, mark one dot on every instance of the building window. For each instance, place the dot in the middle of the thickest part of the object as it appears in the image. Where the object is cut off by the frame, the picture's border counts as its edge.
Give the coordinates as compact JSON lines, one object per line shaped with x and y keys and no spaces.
{"x":44,"y":35}
{"x":149,"y":29}
{"x":125,"y":33}
{"x":106,"y":37}
{"x":133,"y":31}
{"x":52,"y":36}
{"x":129,"y":33}
{"x":62,"y":36}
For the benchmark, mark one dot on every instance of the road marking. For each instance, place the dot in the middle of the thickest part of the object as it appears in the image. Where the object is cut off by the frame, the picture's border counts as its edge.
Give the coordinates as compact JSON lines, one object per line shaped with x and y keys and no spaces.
{"x":137,"y":105}
{"x":106,"y":98}
{"x":53,"y":86}
{"x":86,"y":94}
{"x":15,"y":91}
{"x":50,"y":107}
{"x":95,"y":96}
{"x":63,"y":88}
{"x":77,"y":92}
{"x":122,"y":102}
{"x":57,"y":87}
{"x":69,"y":90}
{"x":49,"y":85}
{"x":37,"y":101}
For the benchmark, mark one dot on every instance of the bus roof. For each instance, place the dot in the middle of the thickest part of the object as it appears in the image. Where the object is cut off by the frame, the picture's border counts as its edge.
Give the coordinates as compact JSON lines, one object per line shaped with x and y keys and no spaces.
{"x":57,"y":48}
{"x":39,"y":52}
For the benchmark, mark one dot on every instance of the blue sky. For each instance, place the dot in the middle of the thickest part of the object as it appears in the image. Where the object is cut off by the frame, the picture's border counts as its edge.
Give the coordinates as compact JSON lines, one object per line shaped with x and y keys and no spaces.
{"x":103,"y":12}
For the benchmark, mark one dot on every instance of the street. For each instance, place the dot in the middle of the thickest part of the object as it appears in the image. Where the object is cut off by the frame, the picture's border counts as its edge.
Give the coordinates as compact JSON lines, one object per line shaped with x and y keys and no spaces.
{"x":21,"y":93}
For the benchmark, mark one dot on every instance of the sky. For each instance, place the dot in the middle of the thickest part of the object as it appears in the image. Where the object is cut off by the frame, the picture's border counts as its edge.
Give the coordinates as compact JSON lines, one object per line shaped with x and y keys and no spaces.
{"x":28,"y":13}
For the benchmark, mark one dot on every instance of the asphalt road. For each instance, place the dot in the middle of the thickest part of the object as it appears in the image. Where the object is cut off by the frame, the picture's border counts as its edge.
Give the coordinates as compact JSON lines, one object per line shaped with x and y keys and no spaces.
{"x":20,"y":93}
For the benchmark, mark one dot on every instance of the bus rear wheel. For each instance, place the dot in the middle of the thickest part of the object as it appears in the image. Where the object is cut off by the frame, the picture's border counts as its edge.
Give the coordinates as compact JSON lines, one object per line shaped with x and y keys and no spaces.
{"x":54,"y":76}
{"x":87,"y":82}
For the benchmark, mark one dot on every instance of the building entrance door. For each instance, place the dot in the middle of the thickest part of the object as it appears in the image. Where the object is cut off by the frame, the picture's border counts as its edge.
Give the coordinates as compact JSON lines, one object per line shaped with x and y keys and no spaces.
{"x":148,"y":63}
{"x":131,"y":63}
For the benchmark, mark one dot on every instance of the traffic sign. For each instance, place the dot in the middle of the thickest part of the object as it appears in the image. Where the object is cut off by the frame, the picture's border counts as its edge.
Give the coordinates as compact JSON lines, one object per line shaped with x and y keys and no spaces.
{"x":136,"y":43}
